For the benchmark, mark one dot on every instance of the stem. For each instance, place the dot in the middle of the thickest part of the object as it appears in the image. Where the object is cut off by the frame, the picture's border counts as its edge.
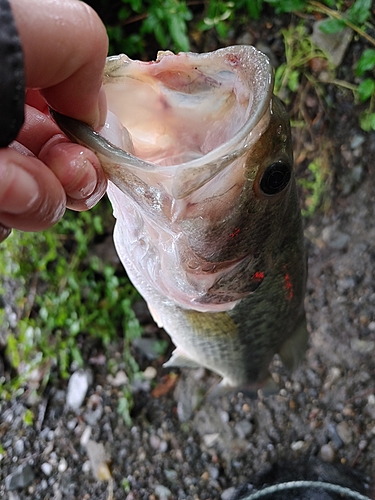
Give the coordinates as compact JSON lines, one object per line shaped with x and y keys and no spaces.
{"x":334,"y":13}
{"x":343,"y":83}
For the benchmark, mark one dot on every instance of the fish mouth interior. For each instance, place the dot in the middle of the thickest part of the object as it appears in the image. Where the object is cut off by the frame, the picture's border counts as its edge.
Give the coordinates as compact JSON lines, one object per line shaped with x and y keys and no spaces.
{"x":182,"y":107}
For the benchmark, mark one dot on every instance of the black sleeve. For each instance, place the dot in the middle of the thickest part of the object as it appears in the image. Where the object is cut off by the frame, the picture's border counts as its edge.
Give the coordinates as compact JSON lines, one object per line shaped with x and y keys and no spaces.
{"x":12,"y":77}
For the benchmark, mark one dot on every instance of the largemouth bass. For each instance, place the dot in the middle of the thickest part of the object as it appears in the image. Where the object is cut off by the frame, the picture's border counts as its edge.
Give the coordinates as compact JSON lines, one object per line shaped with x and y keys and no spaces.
{"x":199,"y":157}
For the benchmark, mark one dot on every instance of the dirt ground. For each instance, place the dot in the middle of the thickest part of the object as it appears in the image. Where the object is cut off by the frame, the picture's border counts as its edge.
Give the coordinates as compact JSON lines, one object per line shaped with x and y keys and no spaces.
{"x":180,"y":447}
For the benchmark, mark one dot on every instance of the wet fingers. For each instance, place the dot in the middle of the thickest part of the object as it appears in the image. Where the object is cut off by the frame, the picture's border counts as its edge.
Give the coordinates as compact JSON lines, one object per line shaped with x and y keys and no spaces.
{"x":78,"y":171}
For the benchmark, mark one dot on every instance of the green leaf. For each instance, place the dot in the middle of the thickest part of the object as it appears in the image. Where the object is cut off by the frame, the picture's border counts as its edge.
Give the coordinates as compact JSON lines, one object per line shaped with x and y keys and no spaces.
{"x":254,"y":8}
{"x":366,"y":89}
{"x":287,"y":5}
{"x":134,"y":4}
{"x":222,"y":29}
{"x":123,"y":14}
{"x":366,"y":62}
{"x":367,"y":121}
{"x":359,"y":12}
{"x":330,"y":26}
{"x":177,"y":27}
{"x":28,"y":417}
{"x":124,"y":407}
{"x":293,"y":82}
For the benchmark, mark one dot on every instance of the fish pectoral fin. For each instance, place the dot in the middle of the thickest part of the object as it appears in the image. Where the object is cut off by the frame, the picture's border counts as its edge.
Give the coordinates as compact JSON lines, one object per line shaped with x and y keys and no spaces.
{"x":180,"y":360}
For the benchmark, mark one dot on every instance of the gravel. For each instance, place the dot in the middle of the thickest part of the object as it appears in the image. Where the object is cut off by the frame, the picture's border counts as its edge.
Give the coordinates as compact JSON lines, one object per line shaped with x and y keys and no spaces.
{"x":321,"y":424}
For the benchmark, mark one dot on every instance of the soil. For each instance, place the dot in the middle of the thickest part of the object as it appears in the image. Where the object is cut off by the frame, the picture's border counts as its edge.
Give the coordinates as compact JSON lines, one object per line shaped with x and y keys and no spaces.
{"x":321,"y":424}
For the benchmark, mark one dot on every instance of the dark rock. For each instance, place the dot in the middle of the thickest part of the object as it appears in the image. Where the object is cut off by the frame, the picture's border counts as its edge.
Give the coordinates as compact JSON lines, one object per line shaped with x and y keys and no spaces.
{"x":23,"y":476}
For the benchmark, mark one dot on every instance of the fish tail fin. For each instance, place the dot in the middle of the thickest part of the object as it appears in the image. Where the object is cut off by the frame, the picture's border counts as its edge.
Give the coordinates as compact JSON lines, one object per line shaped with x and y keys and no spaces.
{"x":293,"y":350}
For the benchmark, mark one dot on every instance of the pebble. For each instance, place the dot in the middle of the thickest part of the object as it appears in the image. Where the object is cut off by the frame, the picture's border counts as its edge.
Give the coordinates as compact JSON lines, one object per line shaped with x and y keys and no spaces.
{"x":94,"y":410}
{"x":344,"y":431}
{"x":362,"y":346}
{"x":162,"y":492}
{"x":86,"y":434}
{"x":297,"y":445}
{"x":243,"y":429}
{"x":356,"y":141}
{"x":334,"y":436}
{"x":205,"y":476}
{"x":334,"y":44}
{"x":345,"y":284}
{"x":214,"y":472}
{"x":155,"y":441}
{"x":46,"y":468}
{"x":245,"y":38}
{"x":20,"y":478}
{"x":210,"y":439}
{"x":339,"y":241}
{"x":150,"y":373}
{"x":327,"y":453}
{"x":333,"y":376}
{"x":351,"y":179}
{"x":71,"y":424}
{"x":78,"y":386}
{"x":86,"y":467}
{"x":228,"y":493}
{"x":163,"y":446}
{"x":119,"y":379}
{"x":63,"y":465}
{"x":171,"y":475}
{"x":19,"y":447}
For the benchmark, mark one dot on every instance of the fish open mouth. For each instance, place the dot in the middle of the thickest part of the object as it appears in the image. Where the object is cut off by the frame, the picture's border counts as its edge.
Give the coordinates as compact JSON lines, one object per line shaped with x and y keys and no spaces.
{"x":185,"y":115}
{"x":181,"y":107}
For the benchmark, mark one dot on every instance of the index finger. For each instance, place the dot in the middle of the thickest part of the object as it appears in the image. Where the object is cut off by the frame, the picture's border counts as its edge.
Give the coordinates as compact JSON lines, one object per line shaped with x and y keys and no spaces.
{"x":65,"y":45}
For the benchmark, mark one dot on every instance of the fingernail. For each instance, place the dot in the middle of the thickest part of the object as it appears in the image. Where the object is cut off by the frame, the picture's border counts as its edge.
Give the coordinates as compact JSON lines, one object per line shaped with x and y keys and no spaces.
{"x":21,"y":192}
{"x":86,"y":177}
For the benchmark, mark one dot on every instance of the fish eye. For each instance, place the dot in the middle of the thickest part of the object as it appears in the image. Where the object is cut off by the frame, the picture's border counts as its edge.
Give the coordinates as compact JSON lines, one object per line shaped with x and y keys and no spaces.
{"x":275,"y":178}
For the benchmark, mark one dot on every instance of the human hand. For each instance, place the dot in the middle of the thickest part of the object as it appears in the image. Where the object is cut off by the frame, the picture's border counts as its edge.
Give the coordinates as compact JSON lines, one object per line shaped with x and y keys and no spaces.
{"x":42,"y":173}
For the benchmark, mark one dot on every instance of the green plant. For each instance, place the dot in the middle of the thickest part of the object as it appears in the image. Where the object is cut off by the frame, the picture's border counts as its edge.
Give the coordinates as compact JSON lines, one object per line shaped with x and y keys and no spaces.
{"x":315,"y":186}
{"x":354,"y":17}
{"x":65,"y":294}
{"x":166,"y":20}
{"x":283,"y":6}
{"x":218,"y":16}
{"x":366,"y":89}
{"x":357,"y":18}
{"x":299,"y":51}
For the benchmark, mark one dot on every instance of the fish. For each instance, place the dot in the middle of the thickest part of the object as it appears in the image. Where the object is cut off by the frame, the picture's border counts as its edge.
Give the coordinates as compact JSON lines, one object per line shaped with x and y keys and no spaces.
{"x":198,"y":154}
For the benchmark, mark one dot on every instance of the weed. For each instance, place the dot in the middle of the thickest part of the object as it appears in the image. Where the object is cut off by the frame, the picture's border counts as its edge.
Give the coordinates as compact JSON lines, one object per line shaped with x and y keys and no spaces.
{"x":299,"y":51}
{"x":166,"y":20}
{"x":357,"y":18}
{"x":315,"y":186}
{"x":66,"y":294}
